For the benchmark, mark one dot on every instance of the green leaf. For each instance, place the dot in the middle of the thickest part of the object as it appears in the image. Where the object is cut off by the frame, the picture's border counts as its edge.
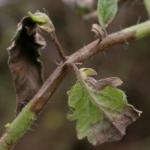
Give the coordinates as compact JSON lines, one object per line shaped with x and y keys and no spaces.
{"x":82,"y":110}
{"x":107,"y":10}
{"x":101,"y":115}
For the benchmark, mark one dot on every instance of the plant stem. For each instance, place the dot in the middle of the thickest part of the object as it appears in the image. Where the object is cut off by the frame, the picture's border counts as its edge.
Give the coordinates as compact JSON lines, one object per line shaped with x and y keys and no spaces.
{"x":58,"y":46}
{"x":26,"y":117}
{"x":17,"y":128}
{"x":141,"y":30}
{"x":134,"y":32}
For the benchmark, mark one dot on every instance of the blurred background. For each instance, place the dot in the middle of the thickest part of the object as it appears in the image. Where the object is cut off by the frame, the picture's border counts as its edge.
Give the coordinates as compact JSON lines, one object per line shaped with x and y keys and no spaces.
{"x":130,"y":62}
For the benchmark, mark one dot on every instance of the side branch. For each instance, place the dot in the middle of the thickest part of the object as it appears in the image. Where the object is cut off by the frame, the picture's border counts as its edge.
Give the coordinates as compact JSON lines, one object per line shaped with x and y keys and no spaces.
{"x":128,"y":34}
{"x":28,"y":115}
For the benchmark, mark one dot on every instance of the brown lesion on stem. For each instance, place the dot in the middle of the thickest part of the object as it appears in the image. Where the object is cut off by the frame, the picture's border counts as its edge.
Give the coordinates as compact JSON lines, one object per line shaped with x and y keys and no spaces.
{"x":48,"y":88}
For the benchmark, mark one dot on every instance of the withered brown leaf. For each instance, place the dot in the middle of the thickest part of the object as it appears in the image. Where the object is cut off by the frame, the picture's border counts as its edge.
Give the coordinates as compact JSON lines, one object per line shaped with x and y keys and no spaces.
{"x":24,"y":61}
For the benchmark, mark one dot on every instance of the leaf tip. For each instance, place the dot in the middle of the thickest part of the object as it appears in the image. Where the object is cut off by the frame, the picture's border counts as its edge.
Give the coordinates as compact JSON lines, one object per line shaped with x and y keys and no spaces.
{"x":42,"y":20}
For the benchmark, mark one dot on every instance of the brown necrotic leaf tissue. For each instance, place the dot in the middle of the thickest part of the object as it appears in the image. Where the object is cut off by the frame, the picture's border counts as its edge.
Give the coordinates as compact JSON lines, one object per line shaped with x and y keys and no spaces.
{"x":24,"y":61}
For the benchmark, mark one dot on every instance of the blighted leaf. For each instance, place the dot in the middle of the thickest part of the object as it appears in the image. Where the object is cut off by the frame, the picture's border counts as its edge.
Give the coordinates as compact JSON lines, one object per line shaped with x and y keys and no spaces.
{"x":107,"y":10}
{"x":24,"y":61}
{"x":100,"y":84}
{"x":113,"y":129}
{"x":101,"y":110}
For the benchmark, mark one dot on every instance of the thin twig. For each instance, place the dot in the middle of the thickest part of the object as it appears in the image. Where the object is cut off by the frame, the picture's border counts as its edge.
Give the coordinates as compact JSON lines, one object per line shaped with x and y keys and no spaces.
{"x":58,"y":46}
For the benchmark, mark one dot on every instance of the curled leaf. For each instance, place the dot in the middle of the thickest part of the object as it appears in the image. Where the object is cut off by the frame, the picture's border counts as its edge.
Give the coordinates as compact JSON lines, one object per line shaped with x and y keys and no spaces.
{"x":98,"y":31}
{"x":25,"y":62}
{"x":100,"y":84}
{"x":86,"y":72}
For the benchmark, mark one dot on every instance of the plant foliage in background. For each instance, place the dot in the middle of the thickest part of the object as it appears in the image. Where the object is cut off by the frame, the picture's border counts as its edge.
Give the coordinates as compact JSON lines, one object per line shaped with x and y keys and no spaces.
{"x":81,"y":6}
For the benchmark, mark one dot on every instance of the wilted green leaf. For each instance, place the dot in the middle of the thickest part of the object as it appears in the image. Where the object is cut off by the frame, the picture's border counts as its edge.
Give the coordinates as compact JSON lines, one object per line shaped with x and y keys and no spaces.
{"x":101,"y":114}
{"x":106,"y":9}
{"x":42,"y":20}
